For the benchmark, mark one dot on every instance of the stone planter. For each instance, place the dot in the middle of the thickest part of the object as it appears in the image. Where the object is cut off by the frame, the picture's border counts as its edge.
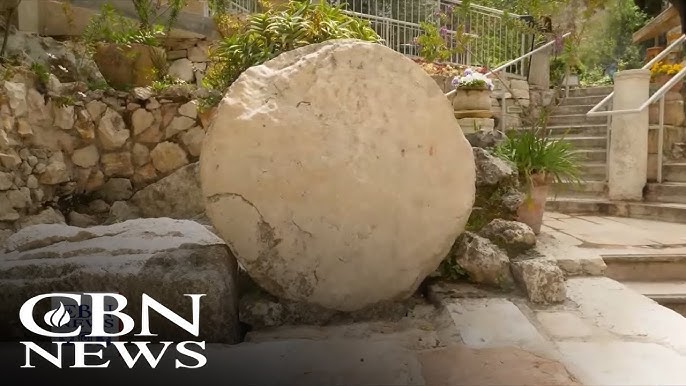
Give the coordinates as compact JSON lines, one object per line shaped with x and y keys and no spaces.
{"x":128,"y":66}
{"x":661,"y":79}
{"x":532,"y":209}
{"x":472,"y":103}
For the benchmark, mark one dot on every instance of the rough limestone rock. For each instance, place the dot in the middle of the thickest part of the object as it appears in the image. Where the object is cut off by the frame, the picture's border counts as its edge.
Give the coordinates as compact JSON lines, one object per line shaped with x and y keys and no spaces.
{"x":483,"y":261}
{"x":177,"y":196}
{"x":543,"y":280}
{"x":46,"y":216}
{"x":321,"y":166}
{"x":512,"y":236}
{"x":163,"y":258}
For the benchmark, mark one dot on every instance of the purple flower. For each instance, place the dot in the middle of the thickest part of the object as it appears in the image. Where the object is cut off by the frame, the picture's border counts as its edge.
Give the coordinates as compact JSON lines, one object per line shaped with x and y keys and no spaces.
{"x":443,"y":31}
{"x":467,"y":71}
{"x":455,"y":81}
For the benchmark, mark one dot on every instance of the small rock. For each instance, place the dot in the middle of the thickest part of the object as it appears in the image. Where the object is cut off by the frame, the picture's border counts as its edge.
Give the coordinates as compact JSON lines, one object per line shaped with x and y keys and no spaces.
{"x":176,"y":54}
{"x":32,"y":182}
{"x":142,"y":93}
{"x":512,"y":236}
{"x":84,"y":125}
{"x":116,"y":189}
{"x":10,"y":160}
{"x":122,"y":211}
{"x":64,"y":117}
{"x":189,"y":109}
{"x":491,"y":170}
{"x":81,"y":220}
{"x":54,"y":85}
{"x":55,"y":173}
{"x":485,"y":138}
{"x":32,"y":160}
{"x":37,"y":195}
{"x":178,"y":125}
{"x":112,"y":131}
{"x":181,"y":69}
{"x":152,"y":104}
{"x":95,"y":181}
{"x":152,"y":135}
{"x":98,"y":206}
{"x":117,"y":164}
{"x":193,"y":140}
{"x":168,"y":156}
{"x":16,"y":93}
{"x":86,"y":156}
{"x":96,"y":109}
{"x":5,"y":141}
{"x":543,"y":280}
{"x":197,"y":54}
{"x":144,"y":175}
{"x":24,"y":128}
{"x":7,"y":213}
{"x":483,"y":261}
{"x":20,"y":198}
{"x":47,"y":216}
{"x":141,"y":154}
{"x":177,"y":195}
{"x":141,"y":120}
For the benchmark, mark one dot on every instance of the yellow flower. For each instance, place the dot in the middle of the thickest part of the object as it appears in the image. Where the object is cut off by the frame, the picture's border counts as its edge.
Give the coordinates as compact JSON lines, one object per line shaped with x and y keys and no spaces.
{"x":661,"y":68}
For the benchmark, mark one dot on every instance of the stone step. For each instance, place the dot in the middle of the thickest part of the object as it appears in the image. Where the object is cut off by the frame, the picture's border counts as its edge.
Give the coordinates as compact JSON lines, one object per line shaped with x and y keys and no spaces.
{"x":577,"y":130}
{"x":670,"y":294}
{"x":674,"y":172}
{"x":575,"y":119}
{"x":649,"y":267}
{"x":666,"y":192}
{"x":572,"y":109}
{"x":589,"y":91}
{"x":592,"y":155}
{"x":587,"y":143}
{"x":588,"y":189}
{"x":582,"y":100}
{"x":593,"y":171}
{"x":668,"y":212}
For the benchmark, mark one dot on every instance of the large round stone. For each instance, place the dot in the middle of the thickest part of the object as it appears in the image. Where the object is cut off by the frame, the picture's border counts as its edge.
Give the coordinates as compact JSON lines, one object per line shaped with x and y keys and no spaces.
{"x":337,"y":174}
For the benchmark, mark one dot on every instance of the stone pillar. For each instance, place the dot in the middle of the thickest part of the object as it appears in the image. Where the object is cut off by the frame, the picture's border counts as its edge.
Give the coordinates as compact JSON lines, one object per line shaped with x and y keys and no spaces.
{"x":628,"y":157}
{"x":539,"y":70}
{"x":28,"y":16}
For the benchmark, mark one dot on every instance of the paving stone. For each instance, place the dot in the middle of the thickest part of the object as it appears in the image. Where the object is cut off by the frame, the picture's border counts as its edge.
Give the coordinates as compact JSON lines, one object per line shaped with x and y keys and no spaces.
{"x":494,"y":323}
{"x":623,"y":363}
{"x":611,"y":305}
{"x":564,"y":325}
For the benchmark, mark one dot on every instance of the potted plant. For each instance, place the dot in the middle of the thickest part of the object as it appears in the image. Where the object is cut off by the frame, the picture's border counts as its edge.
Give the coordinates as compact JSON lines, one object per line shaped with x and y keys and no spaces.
{"x":129,"y":53}
{"x":540,"y":161}
{"x":661,"y":73}
{"x":472,"y":96}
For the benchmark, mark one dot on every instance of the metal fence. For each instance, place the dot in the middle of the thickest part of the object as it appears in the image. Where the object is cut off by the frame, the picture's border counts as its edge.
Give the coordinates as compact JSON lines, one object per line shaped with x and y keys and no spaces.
{"x":475,"y":35}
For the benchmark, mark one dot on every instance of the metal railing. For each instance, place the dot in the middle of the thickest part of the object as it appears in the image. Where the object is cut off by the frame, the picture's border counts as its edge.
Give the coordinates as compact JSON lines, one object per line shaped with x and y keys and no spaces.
{"x":489,"y":36}
{"x":658,"y":96}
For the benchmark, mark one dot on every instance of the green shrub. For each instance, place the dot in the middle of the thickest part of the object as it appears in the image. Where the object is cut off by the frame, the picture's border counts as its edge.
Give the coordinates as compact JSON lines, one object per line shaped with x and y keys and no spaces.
{"x":264,"y":36}
{"x":533,"y":152}
{"x":110,"y":26}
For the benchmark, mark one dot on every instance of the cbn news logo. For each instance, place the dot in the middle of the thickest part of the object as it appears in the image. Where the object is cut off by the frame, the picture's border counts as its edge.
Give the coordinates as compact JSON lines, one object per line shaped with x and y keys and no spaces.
{"x":97,"y":320}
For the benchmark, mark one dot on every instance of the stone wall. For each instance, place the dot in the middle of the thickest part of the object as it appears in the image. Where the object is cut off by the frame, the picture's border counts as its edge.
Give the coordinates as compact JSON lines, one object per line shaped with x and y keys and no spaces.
{"x":187,"y":59}
{"x":67,"y":146}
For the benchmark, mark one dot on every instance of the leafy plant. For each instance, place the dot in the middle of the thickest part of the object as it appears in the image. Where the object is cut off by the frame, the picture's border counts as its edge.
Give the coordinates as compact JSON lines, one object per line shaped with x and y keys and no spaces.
{"x":41,"y":71}
{"x":263,"y":36}
{"x":110,"y":26}
{"x":534,"y":153}
{"x":150,"y":13}
{"x":164,"y":83}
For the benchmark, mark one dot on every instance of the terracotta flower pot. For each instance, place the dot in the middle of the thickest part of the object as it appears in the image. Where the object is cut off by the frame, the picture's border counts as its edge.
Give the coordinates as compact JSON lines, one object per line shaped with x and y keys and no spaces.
{"x":471,"y":99}
{"x":128,"y":66}
{"x":532,"y":209}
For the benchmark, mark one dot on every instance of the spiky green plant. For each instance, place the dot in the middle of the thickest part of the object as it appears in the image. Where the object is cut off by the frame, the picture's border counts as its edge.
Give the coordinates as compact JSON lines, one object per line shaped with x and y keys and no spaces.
{"x":264,"y":36}
{"x":533,"y":152}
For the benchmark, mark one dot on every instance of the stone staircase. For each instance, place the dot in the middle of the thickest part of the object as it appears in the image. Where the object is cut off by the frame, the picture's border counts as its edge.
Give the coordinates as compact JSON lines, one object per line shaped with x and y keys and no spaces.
{"x":665,"y":201}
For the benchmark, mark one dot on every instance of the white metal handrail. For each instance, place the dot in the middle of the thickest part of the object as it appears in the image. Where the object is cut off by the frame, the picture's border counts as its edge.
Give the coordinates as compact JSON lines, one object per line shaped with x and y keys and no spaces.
{"x":594,"y":111}
{"x":658,"y":96}
{"x":517,"y":60}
